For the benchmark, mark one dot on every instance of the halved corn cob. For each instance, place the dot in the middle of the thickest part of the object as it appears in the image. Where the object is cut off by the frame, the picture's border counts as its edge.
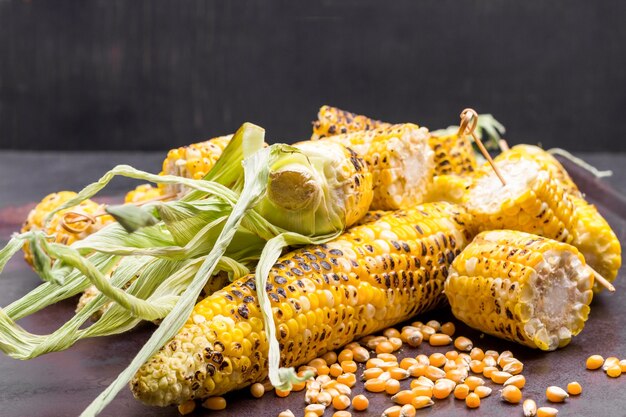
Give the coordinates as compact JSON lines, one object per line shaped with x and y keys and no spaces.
{"x":192,"y":161}
{"x":323,"y":297}
{"x":521,"y":287}
{"x":83,"y":227}
{"x":333,"y":121}
{"x":453,"y":154}
{"x":450,"y":188}
{"x":143,"y":193}
{"x":399,"y":159}
{"x":545,"y":160}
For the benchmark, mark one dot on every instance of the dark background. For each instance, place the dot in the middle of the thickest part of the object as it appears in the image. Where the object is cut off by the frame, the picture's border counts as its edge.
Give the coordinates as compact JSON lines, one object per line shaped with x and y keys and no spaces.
{"x":151,"y":75}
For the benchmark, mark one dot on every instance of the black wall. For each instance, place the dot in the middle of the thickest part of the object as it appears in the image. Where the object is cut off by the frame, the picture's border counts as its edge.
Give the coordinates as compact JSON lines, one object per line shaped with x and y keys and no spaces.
{"x":154,"y":74}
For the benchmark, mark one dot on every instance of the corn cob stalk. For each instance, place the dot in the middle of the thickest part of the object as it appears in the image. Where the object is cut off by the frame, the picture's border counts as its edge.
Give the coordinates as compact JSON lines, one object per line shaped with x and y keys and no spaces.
{"x":322,"y":297}
{"x":399,"y":159}
{"x":82,"y":229}
{"x":545,"y":160}
{"x":143,"y":193}
{"x":193,"y":161}
{"x":453,"y":154}
{"x":333,"y":121}
{"x":521,"y":287}
{"x":450,"y":188}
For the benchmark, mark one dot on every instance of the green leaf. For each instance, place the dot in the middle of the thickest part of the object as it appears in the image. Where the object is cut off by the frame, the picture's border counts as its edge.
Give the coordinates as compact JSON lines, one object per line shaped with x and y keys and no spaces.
{"x":131,"y":217}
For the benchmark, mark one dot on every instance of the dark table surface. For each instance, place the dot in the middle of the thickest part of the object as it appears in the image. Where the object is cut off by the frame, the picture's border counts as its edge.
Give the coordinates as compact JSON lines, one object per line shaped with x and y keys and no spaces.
{"x":63,"y":383}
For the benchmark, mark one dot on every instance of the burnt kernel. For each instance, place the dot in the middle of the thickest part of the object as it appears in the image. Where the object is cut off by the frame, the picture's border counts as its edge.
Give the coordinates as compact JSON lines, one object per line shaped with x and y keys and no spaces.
{"x":274,"y":297}
{"x":305,"y":267}
{"x":279,"y":280}
{"x":229,"y":297}
{"x":369,"y":248}
{"x":248,"y":299}
{"x":315,"y":266}
{"x":243,"y":311}
{"x":395,"y":244}
{"x":336,"y":252}
{"x":326,"y":265}
{"x":320,"y":254}
{"x":424,"y":249}
{"x":217,"y":357}
{"x":281,"y":292}
{"x":310,"y":256}
{"x":297,"y":272}
{"x":269,"y":287}
{"x":218,"y":347}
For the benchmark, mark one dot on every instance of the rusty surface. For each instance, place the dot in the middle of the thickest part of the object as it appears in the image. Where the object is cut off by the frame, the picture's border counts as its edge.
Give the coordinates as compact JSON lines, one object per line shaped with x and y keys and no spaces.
{"x":63,"y":384}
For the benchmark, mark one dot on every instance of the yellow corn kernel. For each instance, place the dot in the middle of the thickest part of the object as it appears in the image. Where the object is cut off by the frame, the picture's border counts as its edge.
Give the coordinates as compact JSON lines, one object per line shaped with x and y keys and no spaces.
{"x":330,"y":358}
{"x":610,"y":361}
{"x":477,"y":366}
{"x":574,"y":388}
{"x":342,"y":413}
{"x":384,"y":347}
{"x":214,"y":403}
{"x":500,"y":377}
{"x":517,"y":380}
{"x":490,"y":361}
{"x":547,"y":412}
{"x":403,"y":397}
{"x":406,"y":363}
{"x":396,"y":342}
{"x":349,"y":366}
{"x":482,"y":391}
{"x":622,"y":365}
{"x":324,"y":398}
{"x":375,"y":385}
{"x":426,"y":382}
{"x":343,"y":389}
{"x":360,"y":354}
{"x":477,"y":354}
{"x":392,"y":386}
{"x":257,"y":390}
{"x":310,"y":413}
{"x":318,"y":409}
{"x":489,"y":370}
{"x":594,"y":362}
{"x":348,"y":379}
{"x":530,"y":408}
{"x":443,"y":388}
{"x":417,"y":370}
{"x":439,"y":339}
{"x":407,"y":410}
{"x":372,"y":373}
{"x":413,"y":337}
{"x":472,"y":400}
{"x":393,"y":411}
{"x":434,"y":324}
{"x":463,"y":344}
{"x":433,"y":373}
{"x":511,"y":394}
{"x":341,"y":402}
{"x":422,"y":391}
{"x":427,"y":332}
{"x":437,"y":359}
{"x":399,"y":373}
{"x":360,"y":402}
{"x":335,"y":370}
{"x":187,"y":407}
{"x":287,"y":413}
{"x":345,"y":355}
{"x":461,"y":391}
{"x":504,"y":355}
{"x":457,"y":375}
{"x":420,"y":402}
{"x":448,"y":328}
{"x":614,"y":371}
{"x":452,"y":355}
{"x":387,"y":357}
{"x":514,"y":367}
{"x":280,"y":393}
{"x":473,"y":381}
{"x":298,"y":386}
{"x":556,"y":394}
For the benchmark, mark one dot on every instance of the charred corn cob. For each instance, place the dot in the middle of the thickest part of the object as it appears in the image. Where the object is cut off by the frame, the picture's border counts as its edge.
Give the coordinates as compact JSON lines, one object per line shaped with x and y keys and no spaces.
{"x":450,"y":188}
{"x":323,"y":297}
{"x":531,"y":201}
{"x":400,"y":160}
{"x":84,"y":226}
{"x":453,"y":154}
{"x":595,"y":239}
{"x":545,"y":160}
{"x":521,"y":287}
{"x":193,"y":161}
{"x":333,"y":121}
{"x":143,"y":193}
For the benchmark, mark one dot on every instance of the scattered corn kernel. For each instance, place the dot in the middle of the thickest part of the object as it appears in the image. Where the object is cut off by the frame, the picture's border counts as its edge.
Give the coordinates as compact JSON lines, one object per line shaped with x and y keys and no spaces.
{"x":417,"y":370}
{"x":504,"y":356}
{"x":403,"y":397}
{"x":396,"y":342}
{"x":473,"y":381}
{"x":387,"y":357}
{"x":399,"y":373}
{"x":391,"y":332}
{"x":392,"y":386}
{"x":530,"y":408}
{"x":257,"y":390}
{"x":349,"y":366}
{"x":448,"y":328}
{"x":482,"y":391}
{"x":406,"y":363}
{"x":407,"y":410}
{"x":511,"y":394}
{"x":489,"y":370}
{"x":434,"y":324}
{"x":286,"y":413}
{"x":360,"y":354}
{"x":335,"y":370}
{"x":463,"y":344}
{"x":341,"y":402}
{"x":427,"y":332}
{"x":214,"y":403}
{"x":324,"y":398}
{"x":547,"y":412}
{"x":343,"y":389}
{"x":342,"y":413}
{"x":452,"y":355}
{"x":422,"y":359}
{"x":420,"y":402}
{"x":433,"y":373}
{"x":426,"y":382}
{"x":622,"y":365}
{"x":493,"y":353}
{"x":614,"y":371}
{"x":384,"y":347}
{"x":490,"y":361}
{"x":345,"y":355}
{"x":477,"y":366}
{"x":500,"y":377}
{"x":594,"y":362}
{"x":375,"y":385}
{"x":574,"y":388}
{"x":281,"y":393}
{"x":461,"y":391}
{"x":332,"y":391}
{"x":440,"y":339}
{"x":360,"y":402}
{"x":393,"y":411}
{"x":348,"y":379}
{"x":298,"y":386}
{"x":187,"y":407}
{"x":477,"y":354}
{"x":457,"y":375}
{"x":556,"y":394}
{"x":318,"y":409}
{"x":514,"y":367}
{"x":443,"y":388}
{"x":517,"y":380}
{"x":310,"y":414}
{"x":437,"y":359}
{"x":422,"y":391}
{"x":472,"y":400}
{"x":372,"y":373}
{"x":610,"y":361}
{"x":413,"y":338}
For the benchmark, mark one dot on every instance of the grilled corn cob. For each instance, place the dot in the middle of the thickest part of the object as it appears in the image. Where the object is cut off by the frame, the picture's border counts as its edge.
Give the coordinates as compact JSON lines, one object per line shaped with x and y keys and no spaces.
{"x":545,"y":160}
{"x":37,"y":216}
{"x":143,"y":193}
{"x":192,"y":161}
{"x":450,"y":188}
{"x":323,"y":297}
{"x":333,"y":121}
{"x":399,"y":159}
{"x":521,"y":287}
{"x":453,"y":154}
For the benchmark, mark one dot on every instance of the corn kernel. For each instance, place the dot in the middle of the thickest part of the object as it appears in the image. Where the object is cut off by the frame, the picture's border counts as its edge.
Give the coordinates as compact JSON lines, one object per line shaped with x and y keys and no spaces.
{"x":473,"y":381}
{"x":437,"y":359}
{"x":443,"y":388}
{"x":214,"y":403}
{"x":360,"y":402}
{"x":407,"y":410}
{"x":345,"y":355}
{"x":187,"y":407}
{"x":391,"y":332}
{"x":622,"y":365}
{"x":341,"y":402}
{"x":490,"y":361}
{"x":614,"y":371}
{"x":426,"y":382}
{"x":406,"y":363}
{"x":286,"y":413}
{"x":348,"y":379}
{"x":335,"y":370}
{"x":396,"y":342}
{"x":500,"y":377}
{"x":310,"y":414}
{"x":387,"y":357}
{"x":422,"y":391}
{"x":504,"y":356}
{"x":257,"y":390}
{"x":452,"y":355}
{"x":399,"y":373}
{"x":556,"y":394}
{"x":448,"y":328}
{"x":517,"y":380}
{"x":463,"y":344}
{"x":374,"y":363}
{"x":594,"y":362}
{"x":489,"y":370}
{"x":608,"y":362}
{"x":439,"y":339}
{"x":547,"y":412}
{"x":477,"y":354}
{"x":492,"y":353}
{"x":281,"y":393}
{"x":349,"y":366}
{"x":514,"y":367}
{"x":457,"y":375}
{"x":298,"y":386}
{"x":482,"y":391}
{"x":342,"y":413}
{"x":422,"y":359}
{"x":384,"y":347}
{"x":330,"y":358}
{"x":511,"y":394}
{"x":343,"y":389}
{"x":372,"y":373}
{"x":530,"y":408}
{"x":574,"y":388}
{"x":427,"y":332}
{"x":433,"y":373}
{"x":472,"y":400}
{"x":417,"y":370}
{"x":318,"y":409}
{"x":360,"y":354}
{"x":420,"y":402}
{"x":461,"y":391}
{"x":477,"y":366}
{"x":403,"y":397}
{"x":375,"y":385}
{"x":393,"y":411}
{"x":392,"y":386}
{"x":324,"y":398}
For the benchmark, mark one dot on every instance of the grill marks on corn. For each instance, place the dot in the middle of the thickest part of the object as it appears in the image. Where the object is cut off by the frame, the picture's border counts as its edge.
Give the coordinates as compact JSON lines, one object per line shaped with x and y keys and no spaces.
{"x":453,"y":155}
{"x":333,"y":121}
{"x":361,"y":283}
